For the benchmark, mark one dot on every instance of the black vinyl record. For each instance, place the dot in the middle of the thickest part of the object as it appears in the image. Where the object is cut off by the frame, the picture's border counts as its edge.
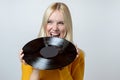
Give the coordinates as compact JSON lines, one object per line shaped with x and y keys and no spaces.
{"x":48,"y":53}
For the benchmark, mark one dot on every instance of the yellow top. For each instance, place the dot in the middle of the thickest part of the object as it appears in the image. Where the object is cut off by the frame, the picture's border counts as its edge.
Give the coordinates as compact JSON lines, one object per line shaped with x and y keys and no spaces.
{"x":74,"y":71}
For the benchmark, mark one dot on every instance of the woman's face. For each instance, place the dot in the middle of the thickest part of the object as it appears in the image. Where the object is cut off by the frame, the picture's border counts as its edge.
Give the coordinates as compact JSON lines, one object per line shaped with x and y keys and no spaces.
{"x":55,"y":25}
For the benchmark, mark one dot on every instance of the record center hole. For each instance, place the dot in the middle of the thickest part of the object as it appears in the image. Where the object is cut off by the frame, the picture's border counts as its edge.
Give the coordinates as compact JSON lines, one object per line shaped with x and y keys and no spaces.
{"x":49,"y":52}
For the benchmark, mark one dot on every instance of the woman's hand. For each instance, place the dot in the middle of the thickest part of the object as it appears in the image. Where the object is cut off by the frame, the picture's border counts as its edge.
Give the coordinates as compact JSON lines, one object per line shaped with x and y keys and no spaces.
{"x":21,"y":54}
{"x":78,"y":51}
{"x":35,"y":72}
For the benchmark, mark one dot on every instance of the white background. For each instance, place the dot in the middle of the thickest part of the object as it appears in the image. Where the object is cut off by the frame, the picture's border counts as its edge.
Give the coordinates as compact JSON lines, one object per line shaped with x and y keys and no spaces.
{"x":96,"y":31}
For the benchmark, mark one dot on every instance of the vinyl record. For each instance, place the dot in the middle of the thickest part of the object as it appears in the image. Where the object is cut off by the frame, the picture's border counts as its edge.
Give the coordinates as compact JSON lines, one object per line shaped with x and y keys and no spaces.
{"x":48,"y":53}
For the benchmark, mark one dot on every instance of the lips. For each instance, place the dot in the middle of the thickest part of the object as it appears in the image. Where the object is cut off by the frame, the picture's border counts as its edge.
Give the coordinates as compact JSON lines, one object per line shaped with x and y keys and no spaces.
{"x":54,"y":34}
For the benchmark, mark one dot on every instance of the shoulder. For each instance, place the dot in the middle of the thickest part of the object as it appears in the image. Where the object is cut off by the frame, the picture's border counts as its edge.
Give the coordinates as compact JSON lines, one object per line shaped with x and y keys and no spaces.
{"x":80,"y":53}
{"x":79,"y":60}
{"x":80,"y":56}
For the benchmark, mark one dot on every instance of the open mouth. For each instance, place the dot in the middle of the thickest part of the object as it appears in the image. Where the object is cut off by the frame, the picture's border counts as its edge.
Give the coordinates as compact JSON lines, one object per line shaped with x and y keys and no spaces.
{"x":55,"y":35}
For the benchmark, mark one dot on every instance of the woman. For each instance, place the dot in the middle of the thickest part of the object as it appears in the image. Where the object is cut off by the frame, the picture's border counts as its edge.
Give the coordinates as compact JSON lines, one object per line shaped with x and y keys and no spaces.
{"x":56,"y":23}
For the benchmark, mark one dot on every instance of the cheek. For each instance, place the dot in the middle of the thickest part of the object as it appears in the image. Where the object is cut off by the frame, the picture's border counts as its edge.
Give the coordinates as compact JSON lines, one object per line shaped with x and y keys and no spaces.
{"x":63,"y":32}
{"x":47,"y":28}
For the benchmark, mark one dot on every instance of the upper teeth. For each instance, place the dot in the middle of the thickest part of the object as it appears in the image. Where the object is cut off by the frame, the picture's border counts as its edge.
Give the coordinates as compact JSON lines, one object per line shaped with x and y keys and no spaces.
{"x":54,"y":35}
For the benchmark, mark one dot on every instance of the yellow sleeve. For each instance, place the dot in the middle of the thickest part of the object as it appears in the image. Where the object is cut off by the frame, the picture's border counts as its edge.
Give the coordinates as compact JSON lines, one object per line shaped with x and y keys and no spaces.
{"x":26,"y":71}
{"x":77,"y":68}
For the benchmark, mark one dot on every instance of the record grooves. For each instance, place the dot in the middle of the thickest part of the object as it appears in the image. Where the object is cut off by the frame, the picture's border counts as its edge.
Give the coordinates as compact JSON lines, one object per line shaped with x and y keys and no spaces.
{"x":48,"y":53}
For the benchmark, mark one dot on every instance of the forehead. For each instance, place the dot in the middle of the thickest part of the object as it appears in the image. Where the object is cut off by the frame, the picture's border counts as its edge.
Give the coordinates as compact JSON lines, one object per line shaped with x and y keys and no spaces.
{"x":56,"y":15}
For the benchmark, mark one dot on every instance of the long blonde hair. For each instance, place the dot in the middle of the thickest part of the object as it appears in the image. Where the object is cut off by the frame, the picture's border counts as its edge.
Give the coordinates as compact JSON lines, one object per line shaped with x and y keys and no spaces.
{"x":67,"y":19}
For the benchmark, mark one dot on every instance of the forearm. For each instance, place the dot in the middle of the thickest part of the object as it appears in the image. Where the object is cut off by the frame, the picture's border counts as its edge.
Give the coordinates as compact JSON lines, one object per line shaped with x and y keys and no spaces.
{"x":35,"y":75}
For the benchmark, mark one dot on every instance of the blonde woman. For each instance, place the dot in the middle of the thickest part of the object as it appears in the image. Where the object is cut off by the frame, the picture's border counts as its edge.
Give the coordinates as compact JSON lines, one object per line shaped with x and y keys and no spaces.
{"x":56,"y":22}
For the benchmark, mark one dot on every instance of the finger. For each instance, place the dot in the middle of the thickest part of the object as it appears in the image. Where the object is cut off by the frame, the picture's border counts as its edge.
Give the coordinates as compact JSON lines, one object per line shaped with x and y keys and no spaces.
{"x":21,"y":56}
{"x":21,"y":52}
{"x":76,"y":47}
{"x":77,"y":50}
{"x":22,"y":60}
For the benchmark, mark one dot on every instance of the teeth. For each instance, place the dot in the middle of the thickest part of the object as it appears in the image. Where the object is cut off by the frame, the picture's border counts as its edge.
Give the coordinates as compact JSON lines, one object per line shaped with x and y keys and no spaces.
{"x":54,"y":35}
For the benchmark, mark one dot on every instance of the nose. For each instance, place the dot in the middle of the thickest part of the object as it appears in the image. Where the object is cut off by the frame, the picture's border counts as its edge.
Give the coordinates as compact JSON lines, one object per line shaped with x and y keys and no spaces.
{"x":55,"y":27}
